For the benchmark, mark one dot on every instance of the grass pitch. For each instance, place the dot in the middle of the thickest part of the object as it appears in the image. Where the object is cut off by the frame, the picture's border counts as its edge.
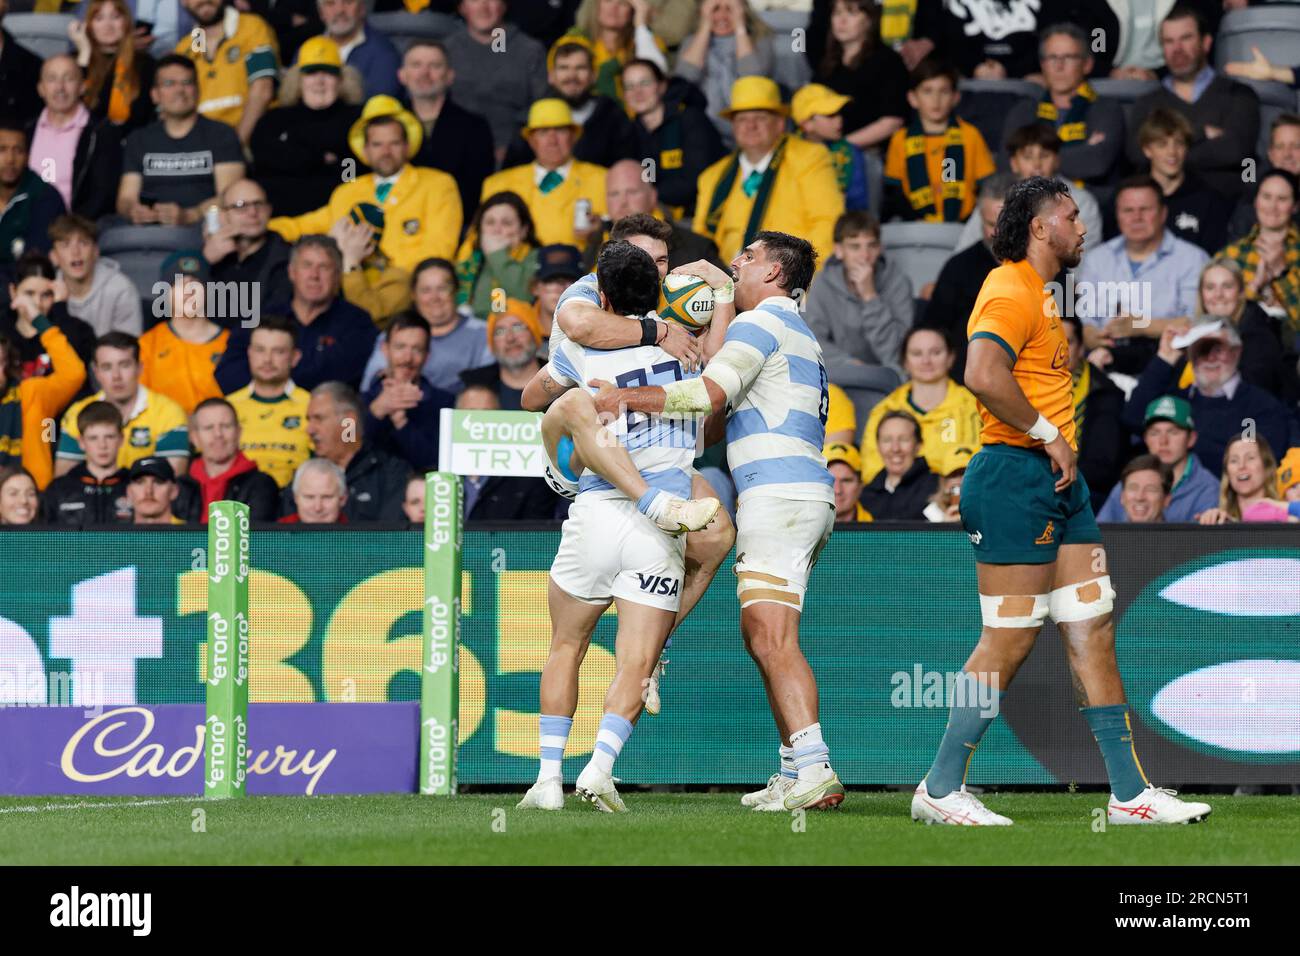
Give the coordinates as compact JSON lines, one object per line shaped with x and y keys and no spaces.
{"x":662,"y":828}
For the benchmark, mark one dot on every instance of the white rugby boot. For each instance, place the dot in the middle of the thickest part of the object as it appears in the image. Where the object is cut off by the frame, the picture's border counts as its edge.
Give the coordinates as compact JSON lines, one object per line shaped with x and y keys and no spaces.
{"x":823,"y":793}
{"x":1155,"y":805}
{"x":545,"y":794}
{"x":681,"y":515}
{"x":777,"y":787}
{"x":597,"y":788}
{"x":650,"y":690}
{"x":959,"y":808}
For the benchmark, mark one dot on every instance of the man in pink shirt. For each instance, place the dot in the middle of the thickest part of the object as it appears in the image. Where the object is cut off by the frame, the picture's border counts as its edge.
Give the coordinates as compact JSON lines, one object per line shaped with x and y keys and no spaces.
{"x":59,"y":127}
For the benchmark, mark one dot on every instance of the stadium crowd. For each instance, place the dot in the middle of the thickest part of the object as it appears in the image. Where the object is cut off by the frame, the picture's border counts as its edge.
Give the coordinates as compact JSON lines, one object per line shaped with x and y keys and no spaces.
{"x":333,"y":219}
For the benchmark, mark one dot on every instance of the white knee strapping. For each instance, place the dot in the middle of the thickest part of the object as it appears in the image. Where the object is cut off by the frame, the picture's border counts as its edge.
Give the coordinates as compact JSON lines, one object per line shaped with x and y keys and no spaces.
{"x":1082,"y":601}
{"x":1013,"y":610}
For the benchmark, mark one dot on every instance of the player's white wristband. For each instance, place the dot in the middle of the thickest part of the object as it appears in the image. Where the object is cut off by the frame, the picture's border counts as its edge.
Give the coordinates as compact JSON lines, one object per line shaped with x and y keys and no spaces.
{"x":1044,"y":430}
{"x":726,"y":293}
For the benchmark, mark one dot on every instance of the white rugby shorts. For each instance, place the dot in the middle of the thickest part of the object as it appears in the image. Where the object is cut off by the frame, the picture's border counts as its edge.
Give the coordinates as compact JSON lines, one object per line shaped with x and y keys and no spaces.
{"x":777,"y":543}
{"x":608,"y":549}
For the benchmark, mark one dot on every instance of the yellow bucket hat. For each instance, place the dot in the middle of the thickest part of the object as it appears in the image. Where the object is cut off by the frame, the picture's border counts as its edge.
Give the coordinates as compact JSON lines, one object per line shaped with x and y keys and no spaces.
{"x":755,"y":93}
{"x":839,"y":451}
{"x":549,"y":114}
{"x":320,"y":53}
{"x":376,"y":107}
{"x":816,"y":100}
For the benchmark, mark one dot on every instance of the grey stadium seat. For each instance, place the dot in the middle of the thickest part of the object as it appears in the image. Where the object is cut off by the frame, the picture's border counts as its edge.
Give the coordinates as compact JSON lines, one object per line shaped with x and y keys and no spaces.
{"x":790,"y":67}
{"x":920,"y":248}
{"x":875,"y":181}
{"x":402,"y":28}
{"x":45,"y":34}
{"x":985,"y":105}
{"x":140,"y":251}
{"x":1274,"y":99}
{"x":1275,"y":29}
{"x":1124,"y":92}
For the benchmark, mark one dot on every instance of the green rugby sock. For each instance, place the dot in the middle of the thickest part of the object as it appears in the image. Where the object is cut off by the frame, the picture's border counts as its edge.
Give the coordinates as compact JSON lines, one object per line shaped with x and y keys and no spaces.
{"x":967,"y":722}
{"x":1114,"y":733}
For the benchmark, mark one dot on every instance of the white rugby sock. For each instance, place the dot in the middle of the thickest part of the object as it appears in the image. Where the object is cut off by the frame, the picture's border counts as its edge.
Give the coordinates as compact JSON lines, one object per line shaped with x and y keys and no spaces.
{"x":811,"y":755}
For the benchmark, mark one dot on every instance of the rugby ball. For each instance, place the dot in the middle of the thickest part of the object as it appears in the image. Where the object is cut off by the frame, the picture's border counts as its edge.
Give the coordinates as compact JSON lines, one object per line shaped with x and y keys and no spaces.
{"x":687,"y":300}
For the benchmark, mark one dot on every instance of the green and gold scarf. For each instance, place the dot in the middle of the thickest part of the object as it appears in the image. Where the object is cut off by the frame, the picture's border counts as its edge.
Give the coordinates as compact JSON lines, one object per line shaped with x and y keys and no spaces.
{"x":1073,"y":126}
{"x":919,"y":190}
{"x":761,"y":197}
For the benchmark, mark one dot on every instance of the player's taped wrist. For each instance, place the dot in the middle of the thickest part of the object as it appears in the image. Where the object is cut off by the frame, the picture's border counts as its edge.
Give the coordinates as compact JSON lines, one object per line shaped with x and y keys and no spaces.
{"x":1044,"y":430}
{"x":649,"y":331}
{"x":725,"y":293}
{"x":687,"y":397}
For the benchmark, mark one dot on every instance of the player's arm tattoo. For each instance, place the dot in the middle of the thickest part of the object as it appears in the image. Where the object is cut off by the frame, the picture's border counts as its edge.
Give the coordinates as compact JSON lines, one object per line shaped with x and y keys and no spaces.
{"x":551,"y":387}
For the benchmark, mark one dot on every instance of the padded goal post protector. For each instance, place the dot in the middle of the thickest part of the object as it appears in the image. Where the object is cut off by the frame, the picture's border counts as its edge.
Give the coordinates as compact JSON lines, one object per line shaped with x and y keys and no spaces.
{"x":440,"y":670}
{"x":225,"y":750}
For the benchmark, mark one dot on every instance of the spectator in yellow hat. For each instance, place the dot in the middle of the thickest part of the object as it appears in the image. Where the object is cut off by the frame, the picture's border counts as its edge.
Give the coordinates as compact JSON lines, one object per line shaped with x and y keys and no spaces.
{"x":606,"y":130}
{"x":300,"y":146}
{"x":565,"y":195}
{"x":816,"y":110}
{"x":420,"y":207}
{"x":361,"y":46}
{"x":772,"y":181}
{"x":845,"y":466}
{"x":730,"y":42}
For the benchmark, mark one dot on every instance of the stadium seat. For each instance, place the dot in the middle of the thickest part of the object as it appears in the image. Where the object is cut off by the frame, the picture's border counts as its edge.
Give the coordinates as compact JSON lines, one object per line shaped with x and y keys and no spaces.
{"x":1274,"y":99}
{"x":140,"y":250}
{"x":790,"y":69}
{"x":45,"y":34}
{"x":402,"y":28}
{"x":986,"y":103}
{"x":920,"y":248}
{"x":1123,"y":92}
{"x":1275,"y":29}
{"x":875,"y":181}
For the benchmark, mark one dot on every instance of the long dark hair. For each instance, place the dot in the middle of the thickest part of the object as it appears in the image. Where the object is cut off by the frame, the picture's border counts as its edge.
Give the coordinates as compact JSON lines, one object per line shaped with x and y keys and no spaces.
{"x":515,"y":202}
{"x":1023,"y":202}
{"x":835,"y":51}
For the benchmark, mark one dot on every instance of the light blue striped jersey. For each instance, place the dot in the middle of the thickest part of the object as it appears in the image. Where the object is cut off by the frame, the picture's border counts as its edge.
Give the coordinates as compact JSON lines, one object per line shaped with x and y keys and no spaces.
{"x":662,"y":449}
{"x":777,"y":426}
{"x":585,"y":289}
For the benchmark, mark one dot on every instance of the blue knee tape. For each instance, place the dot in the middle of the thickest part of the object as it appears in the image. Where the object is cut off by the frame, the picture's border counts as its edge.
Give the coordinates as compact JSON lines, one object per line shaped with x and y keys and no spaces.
{"x":564,"y":451}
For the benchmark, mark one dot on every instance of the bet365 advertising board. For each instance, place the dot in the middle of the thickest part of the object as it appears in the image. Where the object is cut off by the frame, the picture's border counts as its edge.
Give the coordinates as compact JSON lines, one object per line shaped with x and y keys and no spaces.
{"x":103,"y":658}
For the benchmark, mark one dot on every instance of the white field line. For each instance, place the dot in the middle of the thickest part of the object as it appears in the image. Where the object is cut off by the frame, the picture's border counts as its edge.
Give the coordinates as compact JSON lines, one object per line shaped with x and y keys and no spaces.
{"x":42,"y":808}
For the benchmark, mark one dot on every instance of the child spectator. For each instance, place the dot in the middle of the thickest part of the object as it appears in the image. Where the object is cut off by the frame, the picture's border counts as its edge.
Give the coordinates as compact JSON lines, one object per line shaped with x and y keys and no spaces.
{"x":179,"y":355}
{"x":93,"y":492}
{"x":98,"y":292}
{"x":934,"y":165}
{"x":1197,"y":213}
{"x":816,"y":110}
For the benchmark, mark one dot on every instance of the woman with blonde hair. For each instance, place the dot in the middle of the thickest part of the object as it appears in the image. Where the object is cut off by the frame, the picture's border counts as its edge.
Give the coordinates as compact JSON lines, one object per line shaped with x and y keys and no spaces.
{"x":619,"y":31}
{"x":731,"y":41}
{"x":118,"y":76}
{"x":300,"y":146}
{"x":1249,"y":478}
{"x":1221,"y":295}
